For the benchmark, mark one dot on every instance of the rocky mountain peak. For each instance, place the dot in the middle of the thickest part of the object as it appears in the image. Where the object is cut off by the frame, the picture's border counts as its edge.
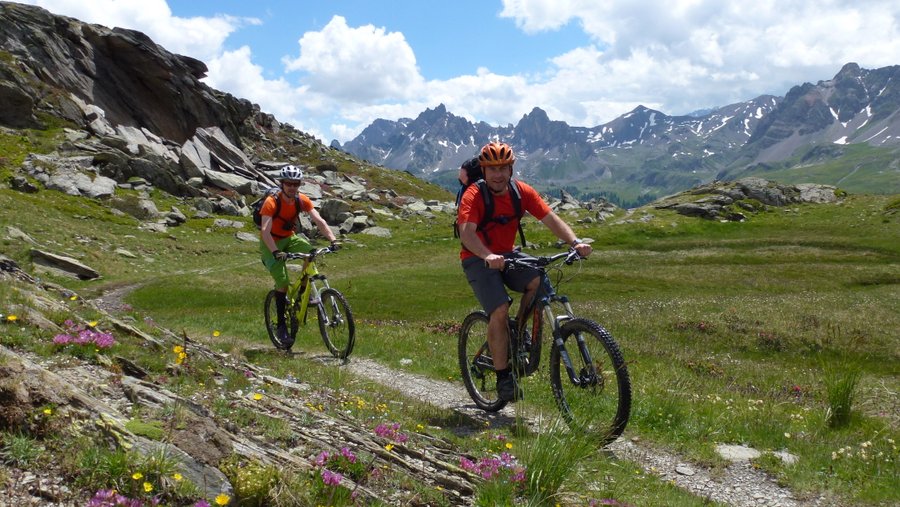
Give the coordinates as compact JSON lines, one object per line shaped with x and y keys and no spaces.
{"x":659,"y":153}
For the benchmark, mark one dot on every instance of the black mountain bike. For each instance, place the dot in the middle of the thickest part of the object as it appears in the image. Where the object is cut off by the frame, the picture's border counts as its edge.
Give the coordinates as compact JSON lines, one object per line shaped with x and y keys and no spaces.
{"x":332,"y":310}
{"x":588,"y":375}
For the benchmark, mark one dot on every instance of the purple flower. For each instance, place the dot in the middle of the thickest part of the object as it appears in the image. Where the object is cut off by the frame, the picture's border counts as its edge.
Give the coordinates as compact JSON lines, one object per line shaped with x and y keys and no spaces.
{"x":489,"y":468}
{"x":391,"y":432}
{"x":104,"y":340}
{"x":518,"y":475}
{"x":345,"y":452}
{"x":62,"y":339}
{"x":331,"y":478}
{"x":321,"y":459}
{"x":467,"y":464}
{"x":201,"y":503}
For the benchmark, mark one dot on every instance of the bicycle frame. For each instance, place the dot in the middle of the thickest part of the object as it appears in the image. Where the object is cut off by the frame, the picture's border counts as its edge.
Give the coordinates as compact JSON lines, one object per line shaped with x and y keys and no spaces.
{"x":307,"y":285}
{"x":543,"y":301}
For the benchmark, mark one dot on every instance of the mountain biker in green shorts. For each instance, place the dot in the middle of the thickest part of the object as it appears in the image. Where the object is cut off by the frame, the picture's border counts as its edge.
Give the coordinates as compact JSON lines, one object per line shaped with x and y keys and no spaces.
{"x":277,"y":235}
{"x":488,"y":241}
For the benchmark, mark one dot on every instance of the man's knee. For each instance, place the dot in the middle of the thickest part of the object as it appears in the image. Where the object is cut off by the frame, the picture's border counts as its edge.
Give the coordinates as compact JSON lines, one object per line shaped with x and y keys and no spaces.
{"x":501,"y":312}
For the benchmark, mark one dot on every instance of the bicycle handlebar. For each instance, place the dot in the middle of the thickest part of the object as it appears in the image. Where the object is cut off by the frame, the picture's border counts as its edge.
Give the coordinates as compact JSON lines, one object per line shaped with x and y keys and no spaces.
{"x":543,"y":261}
{"x":312,"y":253}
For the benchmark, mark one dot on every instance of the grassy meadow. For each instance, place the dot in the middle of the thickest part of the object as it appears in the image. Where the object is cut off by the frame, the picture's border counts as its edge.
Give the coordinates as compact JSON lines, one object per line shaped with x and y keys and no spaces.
{"x":781,"y":333}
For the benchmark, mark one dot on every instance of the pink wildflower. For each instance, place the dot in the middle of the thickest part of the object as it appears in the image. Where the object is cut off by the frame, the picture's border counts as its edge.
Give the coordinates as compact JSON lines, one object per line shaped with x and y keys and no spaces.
{"x":331,"y":478}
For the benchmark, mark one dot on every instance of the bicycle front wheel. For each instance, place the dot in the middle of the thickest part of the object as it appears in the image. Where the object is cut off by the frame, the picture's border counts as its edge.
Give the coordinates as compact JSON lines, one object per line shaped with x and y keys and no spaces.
{"x":476,"y":364}
{"x":336,"y":323}
{"x":270,"y":312}
{"x":597,"y":402}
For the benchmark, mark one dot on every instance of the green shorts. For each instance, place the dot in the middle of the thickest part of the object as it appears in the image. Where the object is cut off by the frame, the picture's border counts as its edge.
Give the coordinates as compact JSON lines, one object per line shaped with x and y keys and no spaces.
{"x":278,"y":269}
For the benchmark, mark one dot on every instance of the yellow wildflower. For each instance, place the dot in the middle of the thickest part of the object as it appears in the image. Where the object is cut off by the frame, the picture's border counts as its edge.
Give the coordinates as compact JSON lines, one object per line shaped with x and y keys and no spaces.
{"x":223,"y":499}
{"x":178,"y":349}
{"x":389,"y":447}
{"x":11,"y":318}
{"x":216,"y":333}
{"x":257,"y":396}
{"x":509,"y":445}
{"x":48,"y":411}
{"x":92,"y":323}
{"x":177,"y":476}
{"x":137,"y":476}
{"x":148,"y":487}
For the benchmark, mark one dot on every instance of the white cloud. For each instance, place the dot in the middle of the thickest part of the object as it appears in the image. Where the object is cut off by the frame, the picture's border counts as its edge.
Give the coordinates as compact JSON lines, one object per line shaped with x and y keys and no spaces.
{"x":235,"y":71}
{"x":199,"y":37}
{"x":682,"y":55}
{"x":363,"y":65}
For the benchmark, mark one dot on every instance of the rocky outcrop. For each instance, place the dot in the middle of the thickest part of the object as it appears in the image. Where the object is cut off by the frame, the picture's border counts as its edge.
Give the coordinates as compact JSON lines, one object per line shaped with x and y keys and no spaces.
{"x":732,"y":200}
{"x":62,"y":264}
{"x":134,"y":81}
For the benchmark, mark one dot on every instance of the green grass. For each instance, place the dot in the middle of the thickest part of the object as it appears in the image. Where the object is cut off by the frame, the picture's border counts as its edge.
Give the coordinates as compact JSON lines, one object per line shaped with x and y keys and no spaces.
{"x":861,"y":169}
{"x":731,"y":331}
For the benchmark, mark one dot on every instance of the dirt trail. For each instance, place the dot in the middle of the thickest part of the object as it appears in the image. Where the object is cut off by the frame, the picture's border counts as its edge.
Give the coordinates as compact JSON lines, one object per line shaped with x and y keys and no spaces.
{"x":740,"y":485}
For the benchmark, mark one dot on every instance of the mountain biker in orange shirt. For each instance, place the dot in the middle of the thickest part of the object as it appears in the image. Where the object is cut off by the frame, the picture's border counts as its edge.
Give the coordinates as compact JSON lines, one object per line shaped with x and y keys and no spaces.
{"x":485,"y":251}
{"x":277,"y":236}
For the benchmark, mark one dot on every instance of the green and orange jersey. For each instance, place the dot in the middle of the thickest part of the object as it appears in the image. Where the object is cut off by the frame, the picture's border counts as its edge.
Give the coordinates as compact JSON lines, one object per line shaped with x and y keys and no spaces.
{"x":283,"y":224}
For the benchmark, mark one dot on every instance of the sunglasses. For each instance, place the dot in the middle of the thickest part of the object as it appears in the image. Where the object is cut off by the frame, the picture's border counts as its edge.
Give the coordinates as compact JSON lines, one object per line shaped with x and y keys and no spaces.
{"x":291,"y":183}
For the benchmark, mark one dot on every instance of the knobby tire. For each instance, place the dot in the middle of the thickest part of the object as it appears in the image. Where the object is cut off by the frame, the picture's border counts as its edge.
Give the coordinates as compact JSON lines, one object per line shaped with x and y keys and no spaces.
{"x":336,"y":323}
{"x":270,"y":311}
{"x":599,"y":409}
{"x":479,"y":376}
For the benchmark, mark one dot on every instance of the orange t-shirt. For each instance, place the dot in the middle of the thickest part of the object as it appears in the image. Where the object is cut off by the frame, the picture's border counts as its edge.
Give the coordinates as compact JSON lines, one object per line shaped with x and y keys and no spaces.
{"x":283,"y":224}
{"x":502,"y":236}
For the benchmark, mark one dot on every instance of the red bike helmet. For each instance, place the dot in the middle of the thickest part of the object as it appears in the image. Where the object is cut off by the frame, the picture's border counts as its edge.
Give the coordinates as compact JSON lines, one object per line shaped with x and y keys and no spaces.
{"x":496,"y":154}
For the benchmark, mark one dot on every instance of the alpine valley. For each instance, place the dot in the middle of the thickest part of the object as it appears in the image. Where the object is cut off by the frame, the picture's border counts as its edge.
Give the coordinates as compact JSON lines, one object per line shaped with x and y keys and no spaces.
{"x":844,"y":131}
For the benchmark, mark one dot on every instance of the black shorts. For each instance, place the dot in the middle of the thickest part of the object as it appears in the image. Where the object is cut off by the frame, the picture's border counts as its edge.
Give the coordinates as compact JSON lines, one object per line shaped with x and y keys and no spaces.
{"x":489,"y":285}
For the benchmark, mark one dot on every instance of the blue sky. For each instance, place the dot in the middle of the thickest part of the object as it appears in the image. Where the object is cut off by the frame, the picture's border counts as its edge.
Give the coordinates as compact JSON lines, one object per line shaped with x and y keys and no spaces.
{"x":332,"y":67}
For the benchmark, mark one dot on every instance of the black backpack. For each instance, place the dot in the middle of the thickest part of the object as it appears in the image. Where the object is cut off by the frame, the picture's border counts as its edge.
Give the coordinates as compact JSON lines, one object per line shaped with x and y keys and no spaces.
{"x":257,"y":205}
{"x":474,"y":173}
{"x":489,"y":217}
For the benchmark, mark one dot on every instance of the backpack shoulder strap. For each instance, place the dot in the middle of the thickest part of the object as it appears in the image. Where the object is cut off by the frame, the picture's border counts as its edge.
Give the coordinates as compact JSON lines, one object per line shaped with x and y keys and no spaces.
{"x":275,"y":195}
{"x":488,"y":199}
{"x":516,"y":195}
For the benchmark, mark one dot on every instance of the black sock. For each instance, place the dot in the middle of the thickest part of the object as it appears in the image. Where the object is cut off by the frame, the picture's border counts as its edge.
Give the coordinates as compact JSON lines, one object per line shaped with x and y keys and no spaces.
{"x":504,"y":372}
{"x":280,"y":304}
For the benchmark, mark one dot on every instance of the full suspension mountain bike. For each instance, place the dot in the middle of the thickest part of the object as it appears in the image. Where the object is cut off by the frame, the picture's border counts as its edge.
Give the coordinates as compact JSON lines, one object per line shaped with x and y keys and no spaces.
{"x":588,"y":376}
{"x":331,"y":308}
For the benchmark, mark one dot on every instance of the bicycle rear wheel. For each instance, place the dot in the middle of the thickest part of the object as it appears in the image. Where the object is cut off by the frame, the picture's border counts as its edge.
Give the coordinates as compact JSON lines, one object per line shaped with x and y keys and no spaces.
{"x":599,"y":404}
{"x":476,"y":364}
{"x":270,"y":311}
{"x":336,"y":323}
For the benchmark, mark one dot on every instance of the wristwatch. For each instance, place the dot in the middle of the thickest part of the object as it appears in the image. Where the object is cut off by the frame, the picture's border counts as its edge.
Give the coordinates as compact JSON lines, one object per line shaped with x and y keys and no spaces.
{"x":575,"y":242}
